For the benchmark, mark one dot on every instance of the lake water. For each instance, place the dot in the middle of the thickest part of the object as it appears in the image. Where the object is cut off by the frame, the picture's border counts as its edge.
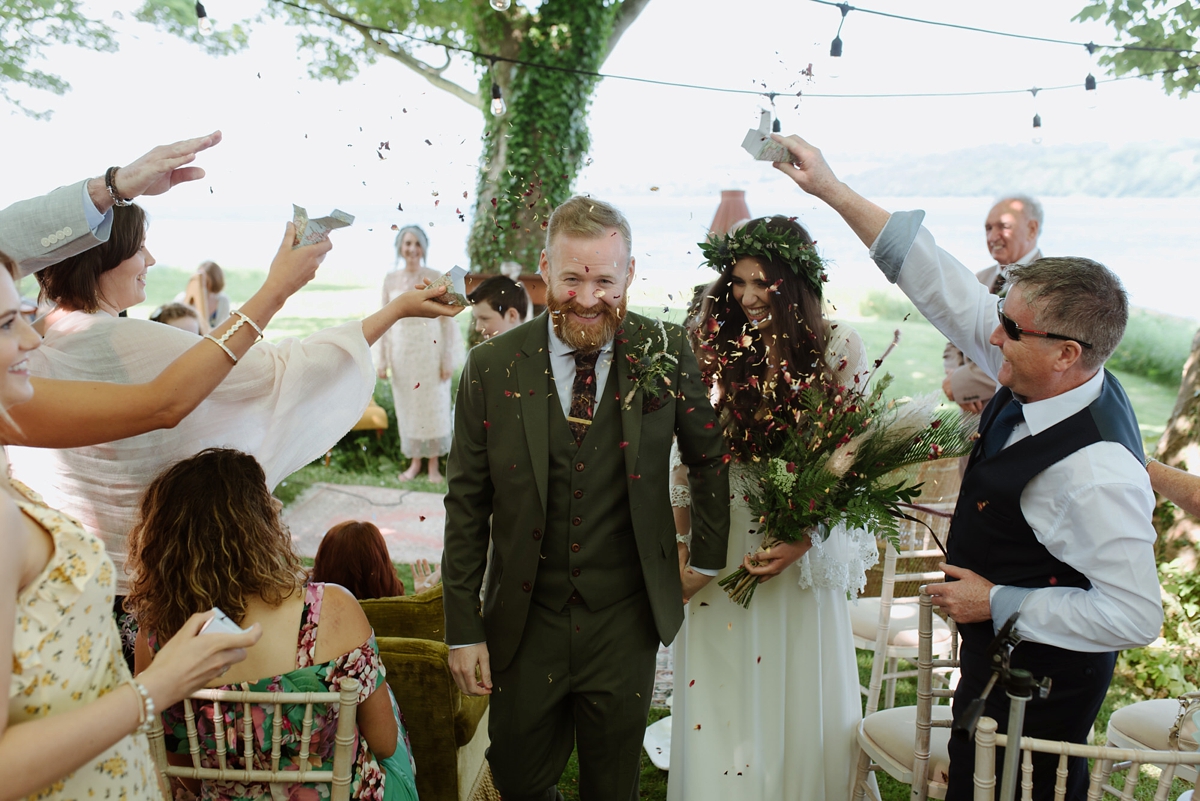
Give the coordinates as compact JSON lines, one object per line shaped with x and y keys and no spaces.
{"x":1151,"y":243}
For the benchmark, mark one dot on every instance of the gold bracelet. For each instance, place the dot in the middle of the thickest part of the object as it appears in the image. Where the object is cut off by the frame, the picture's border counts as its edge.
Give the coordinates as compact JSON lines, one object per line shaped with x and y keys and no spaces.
{"x":145,"y":708}
{"x":221,"y":345}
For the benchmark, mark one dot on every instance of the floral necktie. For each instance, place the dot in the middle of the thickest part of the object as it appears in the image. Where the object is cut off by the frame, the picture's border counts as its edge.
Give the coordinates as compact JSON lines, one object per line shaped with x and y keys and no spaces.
{"x":583,"y":394}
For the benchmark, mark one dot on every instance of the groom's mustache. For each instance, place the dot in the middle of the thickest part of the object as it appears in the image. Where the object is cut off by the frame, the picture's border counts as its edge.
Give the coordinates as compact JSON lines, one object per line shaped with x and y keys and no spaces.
{"x":594,"y":335}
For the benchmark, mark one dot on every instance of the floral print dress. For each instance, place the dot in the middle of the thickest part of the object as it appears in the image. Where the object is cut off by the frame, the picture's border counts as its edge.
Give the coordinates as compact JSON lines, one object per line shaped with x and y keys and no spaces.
{"x":67,"y":653}
{"x":391,"y":779}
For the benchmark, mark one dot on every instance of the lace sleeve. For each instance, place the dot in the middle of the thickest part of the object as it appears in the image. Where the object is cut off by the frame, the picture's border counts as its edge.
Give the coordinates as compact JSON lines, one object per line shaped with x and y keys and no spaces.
{"x":681,"y":494}
{"x":845,"y":352}
{"x":839,"y":562}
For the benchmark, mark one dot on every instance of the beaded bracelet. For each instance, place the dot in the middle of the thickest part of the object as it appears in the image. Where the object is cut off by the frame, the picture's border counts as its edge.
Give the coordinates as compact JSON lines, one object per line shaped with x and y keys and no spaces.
{"x":248,"y":321}
{"x":110,"y":183}
{"x":145,"y":709}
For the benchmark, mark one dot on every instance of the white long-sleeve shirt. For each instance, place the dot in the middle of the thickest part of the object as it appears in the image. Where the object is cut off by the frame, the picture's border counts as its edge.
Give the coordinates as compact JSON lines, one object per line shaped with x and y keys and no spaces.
{"x":1092,"y":510}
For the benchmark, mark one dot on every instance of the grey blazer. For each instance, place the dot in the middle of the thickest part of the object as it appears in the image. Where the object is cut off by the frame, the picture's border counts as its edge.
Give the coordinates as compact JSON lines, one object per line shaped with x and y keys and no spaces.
{"x":45,"y":230}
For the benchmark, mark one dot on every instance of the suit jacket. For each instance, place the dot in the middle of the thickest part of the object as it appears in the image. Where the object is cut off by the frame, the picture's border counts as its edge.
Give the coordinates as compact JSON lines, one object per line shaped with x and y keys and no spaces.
{"x":45,"y":230}
{"x":498,"y":478}
{"x":968,"y":381}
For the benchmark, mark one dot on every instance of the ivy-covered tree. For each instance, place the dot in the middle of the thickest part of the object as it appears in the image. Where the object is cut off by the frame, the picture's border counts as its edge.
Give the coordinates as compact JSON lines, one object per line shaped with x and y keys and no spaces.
{"x":1168,"y":26}
{"x":533,"y":151}
{"x":1171,"y":28}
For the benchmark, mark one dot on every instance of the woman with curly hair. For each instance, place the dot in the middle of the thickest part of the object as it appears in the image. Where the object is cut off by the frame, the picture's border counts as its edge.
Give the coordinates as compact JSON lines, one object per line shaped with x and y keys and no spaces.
{"x":767,"y":702}
{"x":210,"y":536}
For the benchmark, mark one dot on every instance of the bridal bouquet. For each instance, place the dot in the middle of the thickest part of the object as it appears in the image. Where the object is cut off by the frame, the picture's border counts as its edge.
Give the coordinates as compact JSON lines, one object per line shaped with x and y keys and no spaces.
{"x":834,"y":456}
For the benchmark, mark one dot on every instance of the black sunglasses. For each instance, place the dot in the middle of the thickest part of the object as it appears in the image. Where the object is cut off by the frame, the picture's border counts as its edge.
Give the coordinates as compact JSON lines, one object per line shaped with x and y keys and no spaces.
{"x":1014,"y":331}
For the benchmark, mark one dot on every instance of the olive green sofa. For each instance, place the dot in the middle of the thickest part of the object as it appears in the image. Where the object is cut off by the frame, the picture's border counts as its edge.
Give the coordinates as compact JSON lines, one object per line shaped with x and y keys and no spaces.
{"x":448,"y":729}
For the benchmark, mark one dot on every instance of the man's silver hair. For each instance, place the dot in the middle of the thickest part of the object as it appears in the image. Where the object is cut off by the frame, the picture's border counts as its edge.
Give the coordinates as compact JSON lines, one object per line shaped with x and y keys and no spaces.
{"x":1033,"y":209}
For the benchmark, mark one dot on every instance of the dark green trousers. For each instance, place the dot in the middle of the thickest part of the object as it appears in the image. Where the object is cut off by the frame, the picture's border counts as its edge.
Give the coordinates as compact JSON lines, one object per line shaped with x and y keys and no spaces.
{"x":577,"y":676}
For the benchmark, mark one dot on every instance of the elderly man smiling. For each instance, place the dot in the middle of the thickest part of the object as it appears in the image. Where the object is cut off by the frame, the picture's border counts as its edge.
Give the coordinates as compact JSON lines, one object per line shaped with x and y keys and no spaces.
{"x":1054,"y":514}
{"x":1012,"y":229}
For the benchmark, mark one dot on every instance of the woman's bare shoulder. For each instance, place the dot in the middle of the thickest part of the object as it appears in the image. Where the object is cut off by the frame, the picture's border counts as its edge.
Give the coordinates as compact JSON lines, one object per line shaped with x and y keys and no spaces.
{"x":343,"y":625}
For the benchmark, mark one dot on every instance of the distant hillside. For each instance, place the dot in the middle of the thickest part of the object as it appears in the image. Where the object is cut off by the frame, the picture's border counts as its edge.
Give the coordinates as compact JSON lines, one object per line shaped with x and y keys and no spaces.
{"x":1096,"y":170}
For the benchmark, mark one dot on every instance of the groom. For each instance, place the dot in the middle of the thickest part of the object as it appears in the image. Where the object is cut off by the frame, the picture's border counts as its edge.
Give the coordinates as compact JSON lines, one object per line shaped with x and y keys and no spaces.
{"x":562,"y":439}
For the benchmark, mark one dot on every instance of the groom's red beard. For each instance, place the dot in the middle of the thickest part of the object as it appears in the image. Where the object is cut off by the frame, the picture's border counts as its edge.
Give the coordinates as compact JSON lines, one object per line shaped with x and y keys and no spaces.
{"x":585,"y":338}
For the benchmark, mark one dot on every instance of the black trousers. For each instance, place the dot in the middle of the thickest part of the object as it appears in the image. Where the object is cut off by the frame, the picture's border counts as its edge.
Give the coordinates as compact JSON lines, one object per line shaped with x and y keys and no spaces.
{"x":1079,"y":684}
{"x":577,"y":676}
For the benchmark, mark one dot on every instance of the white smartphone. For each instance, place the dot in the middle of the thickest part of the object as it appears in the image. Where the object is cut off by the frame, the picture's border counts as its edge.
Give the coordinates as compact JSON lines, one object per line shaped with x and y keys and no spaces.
{"x":220,"y":623}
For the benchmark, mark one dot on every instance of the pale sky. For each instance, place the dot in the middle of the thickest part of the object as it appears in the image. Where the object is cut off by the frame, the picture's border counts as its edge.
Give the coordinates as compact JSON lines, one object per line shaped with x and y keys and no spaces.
{"x":290,"y":139}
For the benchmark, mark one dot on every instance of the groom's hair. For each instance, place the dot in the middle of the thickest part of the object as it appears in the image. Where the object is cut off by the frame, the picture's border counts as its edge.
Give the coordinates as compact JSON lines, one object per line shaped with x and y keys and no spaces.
{"x":587,"y":217}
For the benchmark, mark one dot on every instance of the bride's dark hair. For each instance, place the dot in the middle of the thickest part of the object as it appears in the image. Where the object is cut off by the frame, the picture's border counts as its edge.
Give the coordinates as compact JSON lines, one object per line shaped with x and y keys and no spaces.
{"x":749,"y":379}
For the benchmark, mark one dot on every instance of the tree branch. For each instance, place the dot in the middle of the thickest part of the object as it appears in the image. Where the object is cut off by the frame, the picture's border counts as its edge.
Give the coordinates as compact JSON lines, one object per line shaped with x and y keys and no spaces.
{"x":630,"y":9}
{"x":427,"y":71}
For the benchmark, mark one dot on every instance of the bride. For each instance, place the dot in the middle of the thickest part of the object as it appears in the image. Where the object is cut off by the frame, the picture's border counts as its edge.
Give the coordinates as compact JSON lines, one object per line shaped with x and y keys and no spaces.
{"x":767,"y":700}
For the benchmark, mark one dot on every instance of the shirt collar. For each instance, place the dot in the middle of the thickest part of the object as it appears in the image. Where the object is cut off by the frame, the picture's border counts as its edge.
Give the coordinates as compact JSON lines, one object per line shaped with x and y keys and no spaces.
{"x":560,"y":348}
{"x":1041,"y":415}
{"x":1028,"y":258}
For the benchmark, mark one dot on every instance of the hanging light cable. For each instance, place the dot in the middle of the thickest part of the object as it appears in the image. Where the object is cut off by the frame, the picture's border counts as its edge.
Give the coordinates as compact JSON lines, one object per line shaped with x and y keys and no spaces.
{"x":203,"y":23}
{"x":835,"y":48}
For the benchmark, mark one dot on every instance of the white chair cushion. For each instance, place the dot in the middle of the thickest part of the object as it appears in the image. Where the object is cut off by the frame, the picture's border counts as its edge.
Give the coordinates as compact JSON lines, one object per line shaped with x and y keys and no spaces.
{"x":902,"y":629}
{"x":1145,"y":723}
{"x":892,"y":732}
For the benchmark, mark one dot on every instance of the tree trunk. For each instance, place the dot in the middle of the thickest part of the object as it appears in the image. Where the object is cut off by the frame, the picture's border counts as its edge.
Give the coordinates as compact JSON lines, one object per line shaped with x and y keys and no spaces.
{"x":1179,"y":446}
{"x":533,"y":152}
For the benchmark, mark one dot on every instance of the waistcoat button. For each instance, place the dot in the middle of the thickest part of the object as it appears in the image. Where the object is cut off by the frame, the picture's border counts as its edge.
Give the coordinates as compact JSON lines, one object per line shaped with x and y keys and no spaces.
{"x":579,"y":467}
{"x":525,"y":585}
{"x":575,"y":572}
{"x":575,"y":548}
{"x":537,"y":533}
{"x":576,"y":521}
{"x":578,"y":493}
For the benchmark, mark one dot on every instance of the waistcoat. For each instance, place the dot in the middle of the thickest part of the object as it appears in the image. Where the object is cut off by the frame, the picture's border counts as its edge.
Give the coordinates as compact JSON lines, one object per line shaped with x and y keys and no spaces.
{"x":589,"y":545}
{"x":989,"y":534}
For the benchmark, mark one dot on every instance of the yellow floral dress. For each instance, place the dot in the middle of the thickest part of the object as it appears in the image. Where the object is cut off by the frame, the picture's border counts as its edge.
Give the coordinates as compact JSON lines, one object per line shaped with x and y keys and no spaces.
{"x":67,"y":653}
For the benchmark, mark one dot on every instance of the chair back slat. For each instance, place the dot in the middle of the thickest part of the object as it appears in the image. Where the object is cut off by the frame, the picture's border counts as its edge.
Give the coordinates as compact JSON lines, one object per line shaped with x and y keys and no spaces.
{"x":345,"y":739}
{"x":1060,"y":777}
{"x":189,"y":717}
{"x":276,"y":733}
{"x":248,"y":744}
{"x":219,"y":733}
{"x":306,"y":732}
{"x":1027,"y":776}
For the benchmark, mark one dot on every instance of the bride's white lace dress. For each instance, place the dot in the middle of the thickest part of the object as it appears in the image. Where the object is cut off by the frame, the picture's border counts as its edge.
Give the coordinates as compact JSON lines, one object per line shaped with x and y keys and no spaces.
{"x":766,"y":700}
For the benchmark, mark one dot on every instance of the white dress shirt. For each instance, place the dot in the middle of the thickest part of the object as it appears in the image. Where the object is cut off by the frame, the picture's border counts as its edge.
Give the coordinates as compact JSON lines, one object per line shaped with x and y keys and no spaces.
{"x":1092,"y":510}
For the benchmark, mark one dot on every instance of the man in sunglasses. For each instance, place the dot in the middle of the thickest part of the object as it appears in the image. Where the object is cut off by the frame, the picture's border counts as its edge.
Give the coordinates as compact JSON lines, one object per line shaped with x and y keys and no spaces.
{"x":1053,"y":518}
{"x":1012,"y":228}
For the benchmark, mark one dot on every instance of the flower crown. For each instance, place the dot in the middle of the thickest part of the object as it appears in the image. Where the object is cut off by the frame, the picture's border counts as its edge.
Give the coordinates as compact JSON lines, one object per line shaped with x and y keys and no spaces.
{"x":757,"y":240}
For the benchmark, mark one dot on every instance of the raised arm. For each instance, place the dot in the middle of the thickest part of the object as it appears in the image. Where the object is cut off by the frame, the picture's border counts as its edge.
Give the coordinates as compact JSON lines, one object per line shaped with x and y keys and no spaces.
{"x":414,"y":303}
{"x":71,"y":414}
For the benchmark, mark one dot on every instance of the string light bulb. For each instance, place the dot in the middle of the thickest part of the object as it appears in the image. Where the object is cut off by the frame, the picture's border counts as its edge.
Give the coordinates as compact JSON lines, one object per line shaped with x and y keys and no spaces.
{"x":835,"y":47}
{"x":203,"y":23}
{"x":498,"y":107}
{"x":501,"y":5}
{"x":1089,"y":83}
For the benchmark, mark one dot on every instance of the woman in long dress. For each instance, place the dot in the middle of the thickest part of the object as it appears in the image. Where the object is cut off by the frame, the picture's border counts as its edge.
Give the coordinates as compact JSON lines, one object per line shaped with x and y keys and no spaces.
{"x":766,"y":702}
{"x":422,"y":356}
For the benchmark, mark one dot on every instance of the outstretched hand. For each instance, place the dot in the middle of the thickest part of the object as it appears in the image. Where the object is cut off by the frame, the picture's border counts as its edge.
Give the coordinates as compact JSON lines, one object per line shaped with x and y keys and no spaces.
{"x":190,"y":660}
{"x":421,"y":303}
{"x":807,"y":167}
{"x":163,"y":167}
{"x":424,"y":576}
{"x":292,"y":268}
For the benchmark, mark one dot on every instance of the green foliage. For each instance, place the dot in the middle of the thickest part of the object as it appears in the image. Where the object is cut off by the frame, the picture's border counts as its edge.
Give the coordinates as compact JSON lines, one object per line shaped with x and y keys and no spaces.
{"x":1152,"y":23}
{"x":533,"y":152}
{"x":1155,"y":346}
{"x":888,"y":306}
{"x":27,"y":28}
{"x":366,"y":452}
{"x":1170,"y":666}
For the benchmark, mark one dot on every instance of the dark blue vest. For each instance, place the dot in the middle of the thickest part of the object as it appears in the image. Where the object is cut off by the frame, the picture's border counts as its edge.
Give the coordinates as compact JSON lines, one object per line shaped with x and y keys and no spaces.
{"x":989,"y":534}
